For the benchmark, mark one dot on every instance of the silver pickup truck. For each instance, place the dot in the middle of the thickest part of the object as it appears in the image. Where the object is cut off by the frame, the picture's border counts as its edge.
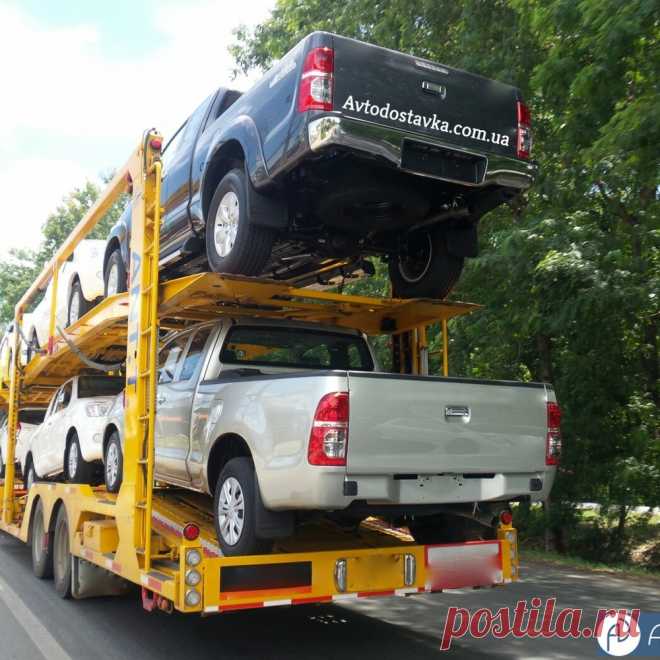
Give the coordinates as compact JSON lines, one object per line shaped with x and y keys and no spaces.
{"x":281,"y":422}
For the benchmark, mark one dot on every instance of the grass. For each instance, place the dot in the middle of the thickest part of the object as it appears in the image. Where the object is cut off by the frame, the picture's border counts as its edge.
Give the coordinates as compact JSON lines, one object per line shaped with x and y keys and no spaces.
{"x":623,"y":569}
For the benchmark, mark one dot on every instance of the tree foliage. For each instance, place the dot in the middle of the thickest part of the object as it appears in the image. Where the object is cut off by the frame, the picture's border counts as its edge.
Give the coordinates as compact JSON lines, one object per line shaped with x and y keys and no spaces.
{"x":569,"y":276}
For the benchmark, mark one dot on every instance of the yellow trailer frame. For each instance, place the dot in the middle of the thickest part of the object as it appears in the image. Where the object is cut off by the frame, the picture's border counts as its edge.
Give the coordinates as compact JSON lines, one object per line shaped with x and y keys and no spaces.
{"x":140,"y":534}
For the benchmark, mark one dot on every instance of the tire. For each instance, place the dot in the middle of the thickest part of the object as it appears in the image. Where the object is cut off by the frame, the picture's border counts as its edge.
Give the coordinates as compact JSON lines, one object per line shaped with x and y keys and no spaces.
{"x":42,"y":548}
{"x":233,"y":244}
{"x":33,"y":346}
{"x":113,"y":464}
{"x":2,"y":467}
{"x":78,"y":305}
{"x":30,"y":476}
{"x":238,"y":471}
{"x":429,"y":270}
{"x":433,"y":530}
{"x":115,"y":279}
{"x":76,"y":469}
{"x":62,"y":555}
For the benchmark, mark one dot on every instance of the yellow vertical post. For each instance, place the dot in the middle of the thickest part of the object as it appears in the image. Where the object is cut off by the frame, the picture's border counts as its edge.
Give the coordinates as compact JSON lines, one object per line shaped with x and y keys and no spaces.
{"x":12,"y":421}
{"x":445,"y":349}
{"x":414,"y":351}
{"x":135,"y":497}
{"x":423,"y":349}
{"x":52,"y":322}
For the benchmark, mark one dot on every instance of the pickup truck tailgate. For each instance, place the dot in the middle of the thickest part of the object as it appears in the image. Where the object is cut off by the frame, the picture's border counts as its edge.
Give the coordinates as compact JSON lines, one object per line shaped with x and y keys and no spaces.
{"x":418,"y":425}
{"x":432,"y":100}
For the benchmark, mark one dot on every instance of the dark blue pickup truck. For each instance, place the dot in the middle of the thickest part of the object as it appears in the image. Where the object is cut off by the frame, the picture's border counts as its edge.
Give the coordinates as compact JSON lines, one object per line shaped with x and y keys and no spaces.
{"x":343,"y":150}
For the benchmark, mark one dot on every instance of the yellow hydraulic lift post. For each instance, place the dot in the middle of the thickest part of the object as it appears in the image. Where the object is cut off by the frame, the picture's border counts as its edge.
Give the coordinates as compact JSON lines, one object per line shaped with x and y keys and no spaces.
{"x":141,"y":352}
{"x":12,"y":424}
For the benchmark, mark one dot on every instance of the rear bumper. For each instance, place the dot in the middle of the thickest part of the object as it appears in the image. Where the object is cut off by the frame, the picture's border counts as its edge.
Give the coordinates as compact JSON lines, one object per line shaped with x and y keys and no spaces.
{"x":326,"y":489}
{"x":386,"y":143}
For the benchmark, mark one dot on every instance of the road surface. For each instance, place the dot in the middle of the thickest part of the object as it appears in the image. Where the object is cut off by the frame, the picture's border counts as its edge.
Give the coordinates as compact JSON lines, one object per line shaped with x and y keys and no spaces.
{"x":35,"y":623}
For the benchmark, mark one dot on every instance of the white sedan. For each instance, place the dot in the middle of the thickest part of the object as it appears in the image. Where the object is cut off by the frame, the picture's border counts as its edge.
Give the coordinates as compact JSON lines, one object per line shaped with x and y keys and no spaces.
{"x":70,"y":440}
{"x":80,"y":286}
{"x":28,"y":423}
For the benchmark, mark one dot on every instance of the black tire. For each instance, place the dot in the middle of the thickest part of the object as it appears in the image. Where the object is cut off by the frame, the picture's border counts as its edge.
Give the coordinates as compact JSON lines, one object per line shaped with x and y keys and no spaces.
{"x":30,"y":476}
{"x":2,"y":467}
{"x":242,"y":471}
{"x":112,"y":454}
{"x":428,"y":270}
{"x":76,"y":469}
{"x":116,"y":264}
{"x":432,"y":530}
{"x":62,"y":555}
{"x":78,"y":305}
{"x":250,"y":250}
{"x":33,"y":346}
{"x":42,"y":545}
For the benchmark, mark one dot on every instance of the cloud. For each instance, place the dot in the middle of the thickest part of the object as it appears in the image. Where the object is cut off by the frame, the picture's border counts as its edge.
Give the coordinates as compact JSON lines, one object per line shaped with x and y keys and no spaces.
{"x":89,"y":108}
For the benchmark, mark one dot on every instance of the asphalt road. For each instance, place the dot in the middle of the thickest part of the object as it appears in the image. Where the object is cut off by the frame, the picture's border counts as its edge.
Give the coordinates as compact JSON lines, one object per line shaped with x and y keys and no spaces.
{"x":35,"y":623}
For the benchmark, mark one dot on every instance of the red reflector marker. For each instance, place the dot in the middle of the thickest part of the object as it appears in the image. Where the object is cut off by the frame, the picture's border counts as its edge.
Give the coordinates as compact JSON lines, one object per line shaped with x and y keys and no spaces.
{"x":156,"y":144}
{"x":191,"y":532}
{"x":506,"y":517}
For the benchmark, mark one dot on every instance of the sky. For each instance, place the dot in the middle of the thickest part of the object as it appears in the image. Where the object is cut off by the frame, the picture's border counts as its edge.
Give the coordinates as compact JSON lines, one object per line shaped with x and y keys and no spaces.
{"x":80,"y":80}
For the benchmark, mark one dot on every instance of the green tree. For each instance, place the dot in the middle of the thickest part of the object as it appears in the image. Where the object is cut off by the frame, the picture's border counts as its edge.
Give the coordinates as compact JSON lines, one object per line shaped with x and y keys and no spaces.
{"x":569,"y":274}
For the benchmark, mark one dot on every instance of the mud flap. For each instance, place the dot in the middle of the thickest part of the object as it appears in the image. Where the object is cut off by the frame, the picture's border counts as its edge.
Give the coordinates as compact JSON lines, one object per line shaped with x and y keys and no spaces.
{"x":89,"y":581}
{"x":269,"y":211}
{"x":272,"y":524}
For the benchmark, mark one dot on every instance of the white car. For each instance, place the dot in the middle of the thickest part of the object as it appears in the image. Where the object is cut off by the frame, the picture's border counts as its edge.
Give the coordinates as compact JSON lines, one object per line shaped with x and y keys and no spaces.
{"x":7,"y":348}
{"x":70,"y":439}
{"x":29,"y":420}
{"x":80,"y":286}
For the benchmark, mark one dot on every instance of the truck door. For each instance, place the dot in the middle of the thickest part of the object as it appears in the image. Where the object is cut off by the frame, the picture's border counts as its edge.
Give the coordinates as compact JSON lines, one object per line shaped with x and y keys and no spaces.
{"x":175,"y":196}
{"x":181,"y":363}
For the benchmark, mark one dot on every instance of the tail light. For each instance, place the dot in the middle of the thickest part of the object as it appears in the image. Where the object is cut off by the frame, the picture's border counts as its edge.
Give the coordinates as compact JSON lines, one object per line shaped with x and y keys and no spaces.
{"x":328,"y":441}
{"x":524,"y":148}
{"x":553,"y":437}
{"x":316,"y":82}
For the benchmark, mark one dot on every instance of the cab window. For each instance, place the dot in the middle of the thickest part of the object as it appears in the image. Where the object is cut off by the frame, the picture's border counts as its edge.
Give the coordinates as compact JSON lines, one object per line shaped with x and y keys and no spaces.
{"x":170,"y":356}
{"x":194,"y":354}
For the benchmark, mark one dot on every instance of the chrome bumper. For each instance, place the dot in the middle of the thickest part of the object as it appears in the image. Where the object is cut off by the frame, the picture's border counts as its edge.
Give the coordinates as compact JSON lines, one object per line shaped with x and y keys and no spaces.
{"x":386,"y":142}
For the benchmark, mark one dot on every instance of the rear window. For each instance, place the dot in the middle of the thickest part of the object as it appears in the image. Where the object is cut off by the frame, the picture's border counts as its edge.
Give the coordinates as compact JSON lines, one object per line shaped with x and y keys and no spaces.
{"x":297,"y":348}
{"x":31,"y":416}
{"x":91,"y":386}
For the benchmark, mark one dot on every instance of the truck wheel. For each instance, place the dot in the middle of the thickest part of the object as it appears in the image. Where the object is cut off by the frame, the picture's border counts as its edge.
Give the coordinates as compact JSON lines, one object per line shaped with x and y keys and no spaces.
{"x":42,"y":545}
{"x":432,"y":530}
{"x":233,"y":244}
{"x":30,"y":475}
{"x":76,"y":469}
{"x":113,"y":463}
{"x":62,"y":555}
{"x":114,"y":278}
{"x":426,"y":269}
{"x":235,"y":510}
{"x":78,"y":305}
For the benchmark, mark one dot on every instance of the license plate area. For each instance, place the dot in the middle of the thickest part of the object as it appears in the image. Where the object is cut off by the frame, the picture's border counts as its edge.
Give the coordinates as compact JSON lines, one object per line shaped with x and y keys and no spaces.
{"x":443,"y":163}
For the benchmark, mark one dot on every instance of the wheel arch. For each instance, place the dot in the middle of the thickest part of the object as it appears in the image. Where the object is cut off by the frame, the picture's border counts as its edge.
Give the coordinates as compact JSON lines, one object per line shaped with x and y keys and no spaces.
{"x":226,"y":447}
{"x":109,"y":430}
{"x":230,"y":155}
{"x":112,"y":245}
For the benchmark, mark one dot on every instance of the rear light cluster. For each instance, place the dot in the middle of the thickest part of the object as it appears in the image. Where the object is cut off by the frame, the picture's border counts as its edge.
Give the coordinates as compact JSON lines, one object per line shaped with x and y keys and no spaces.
{"x":328,"y":441}
{"x":524,"y":146}
{"x":553,"y":437}
{"x":317,"y":80}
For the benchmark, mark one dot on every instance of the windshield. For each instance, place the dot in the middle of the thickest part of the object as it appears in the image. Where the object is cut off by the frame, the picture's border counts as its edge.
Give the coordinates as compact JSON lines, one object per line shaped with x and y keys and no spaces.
{"x":297,"y":348}
{"x":91,"y":386}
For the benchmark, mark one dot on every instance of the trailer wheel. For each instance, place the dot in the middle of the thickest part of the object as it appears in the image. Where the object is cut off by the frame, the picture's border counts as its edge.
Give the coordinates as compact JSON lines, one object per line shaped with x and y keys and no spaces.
{"x":30,"y":475}
{"x":425,"y":269}
{"x":42,"y":545}
{"x":233,"y":243}
{"x":78,"y":305}
{"x":235,"y":510}
{"x":62,"y":555}
{"x":76,"y":469}
{"x":113,"y":464}
{"x":114,"y":278}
